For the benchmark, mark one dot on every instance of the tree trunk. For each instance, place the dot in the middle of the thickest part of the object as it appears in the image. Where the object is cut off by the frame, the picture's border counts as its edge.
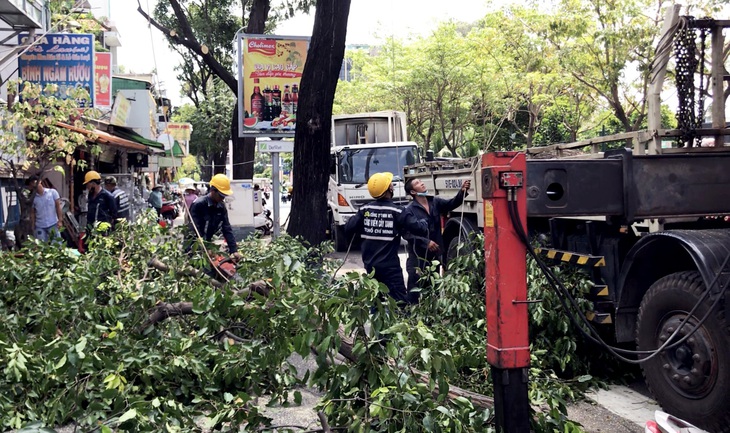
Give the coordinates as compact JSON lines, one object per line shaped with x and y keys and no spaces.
{"x":24,"y":228}
{"x":314,"y":117}
{"x":219,"y":160}
{"x":244,"y":150}
{"x":206,"y":169}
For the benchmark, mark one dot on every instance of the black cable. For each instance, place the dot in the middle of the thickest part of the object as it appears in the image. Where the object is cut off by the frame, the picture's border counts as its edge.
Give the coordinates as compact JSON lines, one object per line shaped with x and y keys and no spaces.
{"x":596,"y":338}
{"x":593,"y":336}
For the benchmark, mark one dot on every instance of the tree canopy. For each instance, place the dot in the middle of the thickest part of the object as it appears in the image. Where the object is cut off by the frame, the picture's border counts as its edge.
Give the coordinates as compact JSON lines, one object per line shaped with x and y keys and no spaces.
{"x":521,"y":76}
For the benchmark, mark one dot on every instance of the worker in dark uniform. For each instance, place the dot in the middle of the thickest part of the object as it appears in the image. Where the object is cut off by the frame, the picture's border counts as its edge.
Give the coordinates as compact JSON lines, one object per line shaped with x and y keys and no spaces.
{"x":380,"y":224}
{"x":209,"y":215}
{"x":102,"y":206}
{"x":423,"y":250}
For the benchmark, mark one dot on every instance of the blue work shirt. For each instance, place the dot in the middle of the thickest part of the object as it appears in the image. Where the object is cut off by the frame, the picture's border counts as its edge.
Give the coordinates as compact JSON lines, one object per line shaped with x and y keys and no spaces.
{"x":209,"y":217}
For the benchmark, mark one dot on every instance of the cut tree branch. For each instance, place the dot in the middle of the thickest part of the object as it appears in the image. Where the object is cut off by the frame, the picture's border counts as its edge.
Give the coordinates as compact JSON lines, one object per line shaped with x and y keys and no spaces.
{"x":189,"y":41}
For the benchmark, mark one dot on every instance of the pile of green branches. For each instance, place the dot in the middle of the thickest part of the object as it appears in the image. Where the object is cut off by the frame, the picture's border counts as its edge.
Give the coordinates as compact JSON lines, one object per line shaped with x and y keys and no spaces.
{"x":83,"y":341}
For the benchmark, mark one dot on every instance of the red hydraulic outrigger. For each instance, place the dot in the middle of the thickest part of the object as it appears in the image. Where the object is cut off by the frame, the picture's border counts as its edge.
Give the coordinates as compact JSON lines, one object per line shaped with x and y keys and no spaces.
{"x":508,"y":350}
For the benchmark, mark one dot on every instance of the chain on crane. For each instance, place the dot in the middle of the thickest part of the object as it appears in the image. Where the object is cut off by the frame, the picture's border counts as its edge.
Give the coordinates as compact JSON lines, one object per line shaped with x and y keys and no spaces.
{"x":690,"y":113}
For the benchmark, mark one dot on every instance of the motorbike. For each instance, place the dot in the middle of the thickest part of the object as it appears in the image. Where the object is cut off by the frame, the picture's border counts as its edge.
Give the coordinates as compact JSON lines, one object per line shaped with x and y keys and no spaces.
{"x":665,"y":423}
{"x":169,"y":211}
{"x":263,"y":222}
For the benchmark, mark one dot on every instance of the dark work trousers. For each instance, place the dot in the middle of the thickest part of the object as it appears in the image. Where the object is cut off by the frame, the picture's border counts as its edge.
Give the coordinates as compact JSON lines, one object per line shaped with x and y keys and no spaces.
{"x":392,"y":277}
{"x":415,"y":266}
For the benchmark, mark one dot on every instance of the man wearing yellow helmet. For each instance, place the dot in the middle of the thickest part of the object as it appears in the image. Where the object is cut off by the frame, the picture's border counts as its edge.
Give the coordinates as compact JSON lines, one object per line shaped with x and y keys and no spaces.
{"x":209,"y":215}
{"x":380,"y":224}
{"x":102,"y":206}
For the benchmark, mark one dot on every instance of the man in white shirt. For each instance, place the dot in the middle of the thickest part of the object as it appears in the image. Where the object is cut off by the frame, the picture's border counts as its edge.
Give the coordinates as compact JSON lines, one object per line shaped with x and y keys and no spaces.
{"x":46,"y":215}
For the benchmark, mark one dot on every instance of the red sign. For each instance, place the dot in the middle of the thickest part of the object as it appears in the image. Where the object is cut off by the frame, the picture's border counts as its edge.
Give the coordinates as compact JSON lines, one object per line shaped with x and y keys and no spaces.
{"x":103,"y":80}
{"x":266,"y":47}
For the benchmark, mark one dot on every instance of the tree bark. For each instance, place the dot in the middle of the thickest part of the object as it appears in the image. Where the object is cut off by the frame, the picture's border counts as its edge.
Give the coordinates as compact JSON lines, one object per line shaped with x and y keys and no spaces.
{"x":219,"y":160}
{"x":244,"y":151}
{"x":314,"y":117}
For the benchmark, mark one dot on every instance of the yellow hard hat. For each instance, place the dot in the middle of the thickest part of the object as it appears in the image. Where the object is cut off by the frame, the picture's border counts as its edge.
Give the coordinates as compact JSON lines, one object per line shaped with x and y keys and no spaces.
{"x":222,"y":184}
{"x":379,"y":183}
{"x":91,"y":175}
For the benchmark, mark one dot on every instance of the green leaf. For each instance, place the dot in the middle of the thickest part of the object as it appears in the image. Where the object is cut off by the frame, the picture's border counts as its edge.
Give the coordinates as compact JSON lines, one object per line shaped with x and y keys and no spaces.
{"x":128,"y":415}
{"x":228,"y":397}
{"x":426,"y":355}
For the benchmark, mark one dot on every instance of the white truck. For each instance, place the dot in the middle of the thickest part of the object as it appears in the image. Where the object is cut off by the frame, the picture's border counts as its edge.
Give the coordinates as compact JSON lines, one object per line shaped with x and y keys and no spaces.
{"x":364,"y":144}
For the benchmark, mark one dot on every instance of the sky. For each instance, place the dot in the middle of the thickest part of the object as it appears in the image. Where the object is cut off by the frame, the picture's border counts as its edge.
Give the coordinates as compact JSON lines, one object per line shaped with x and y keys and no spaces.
{"x":144,"y":50}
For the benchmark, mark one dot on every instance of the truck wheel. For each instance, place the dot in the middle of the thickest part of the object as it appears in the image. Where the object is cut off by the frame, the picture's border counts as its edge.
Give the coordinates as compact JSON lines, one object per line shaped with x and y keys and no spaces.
{"x":338,"y":238}
{"x":691,"y":381}
{"x":460,"y":243}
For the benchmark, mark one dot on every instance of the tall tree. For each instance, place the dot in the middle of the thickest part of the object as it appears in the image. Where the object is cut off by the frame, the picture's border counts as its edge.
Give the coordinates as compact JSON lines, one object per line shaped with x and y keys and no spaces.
{"x":314,"y":117}
{"x":210,"y":119}
{"x":599,"y":42}
{"x":205,"y":28}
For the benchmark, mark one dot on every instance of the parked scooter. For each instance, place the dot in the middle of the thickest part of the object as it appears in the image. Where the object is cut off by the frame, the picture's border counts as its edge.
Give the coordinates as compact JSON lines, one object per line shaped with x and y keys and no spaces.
{"x":666,"y":423}
{"x":169,"y":211}
{"x":263,"y":222}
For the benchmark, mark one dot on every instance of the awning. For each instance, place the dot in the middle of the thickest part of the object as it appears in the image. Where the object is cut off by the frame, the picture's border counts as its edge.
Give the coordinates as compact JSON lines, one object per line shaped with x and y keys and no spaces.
{"x":107,"y":139}
{"x":176,"y":150}
{"x":129,"y":134}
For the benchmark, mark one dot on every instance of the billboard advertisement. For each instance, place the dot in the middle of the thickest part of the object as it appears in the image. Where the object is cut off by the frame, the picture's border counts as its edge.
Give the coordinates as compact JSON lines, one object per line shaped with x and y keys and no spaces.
{"x":270,"y":71}
{"x":103,"y":80}
{"x":64,"y":59}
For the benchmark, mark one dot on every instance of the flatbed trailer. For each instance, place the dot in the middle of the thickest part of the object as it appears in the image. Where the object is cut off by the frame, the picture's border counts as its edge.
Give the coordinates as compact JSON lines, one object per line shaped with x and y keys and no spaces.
{"x":649,"y":224}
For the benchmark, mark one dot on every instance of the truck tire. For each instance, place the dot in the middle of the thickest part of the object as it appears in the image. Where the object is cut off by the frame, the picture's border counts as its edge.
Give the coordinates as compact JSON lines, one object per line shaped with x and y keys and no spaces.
{"x":691,"y":381}
{"x":460,"y":243}
{"x":338,"y":238}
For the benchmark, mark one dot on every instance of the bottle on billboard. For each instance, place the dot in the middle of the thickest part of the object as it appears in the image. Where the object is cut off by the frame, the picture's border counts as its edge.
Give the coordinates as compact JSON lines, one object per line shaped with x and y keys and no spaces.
{"x":276,"y":94}
{"x":268,"y":104}
{"x":257,"y":101}
{"x":294,"y":98}
{"x":286,"y":107}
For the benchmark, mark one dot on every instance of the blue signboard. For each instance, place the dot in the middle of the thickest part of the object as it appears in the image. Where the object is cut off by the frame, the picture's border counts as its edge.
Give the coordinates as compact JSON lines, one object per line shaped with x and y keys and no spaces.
{"x":65,"y":59}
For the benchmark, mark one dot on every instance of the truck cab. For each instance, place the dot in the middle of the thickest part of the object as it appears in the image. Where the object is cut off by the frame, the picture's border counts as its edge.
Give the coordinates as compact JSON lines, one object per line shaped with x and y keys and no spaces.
{"x":362,"y":145}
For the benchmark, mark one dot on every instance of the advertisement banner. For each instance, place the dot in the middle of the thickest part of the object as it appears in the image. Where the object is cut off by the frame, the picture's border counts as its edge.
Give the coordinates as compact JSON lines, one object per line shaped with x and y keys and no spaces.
{"x":64,"y":59}
{"x":121,"y":111}
{"x":103,"y":80}
{"x":269,"y":82}
{"x":179,"y":131}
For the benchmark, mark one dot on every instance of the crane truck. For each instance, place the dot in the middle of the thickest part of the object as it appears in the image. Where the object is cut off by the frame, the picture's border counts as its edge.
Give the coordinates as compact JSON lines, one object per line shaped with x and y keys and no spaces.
{"x":364,"y":144}
{"x":649,"y":225}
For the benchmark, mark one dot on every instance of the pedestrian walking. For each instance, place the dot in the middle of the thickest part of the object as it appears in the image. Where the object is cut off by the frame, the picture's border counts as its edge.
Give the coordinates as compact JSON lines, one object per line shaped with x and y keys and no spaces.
{"x":155,"y":199}
{"x":189,"y":195}
{"x":422,"y":250}
{"x":380,"y":224}
{"x":46,"y":215}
